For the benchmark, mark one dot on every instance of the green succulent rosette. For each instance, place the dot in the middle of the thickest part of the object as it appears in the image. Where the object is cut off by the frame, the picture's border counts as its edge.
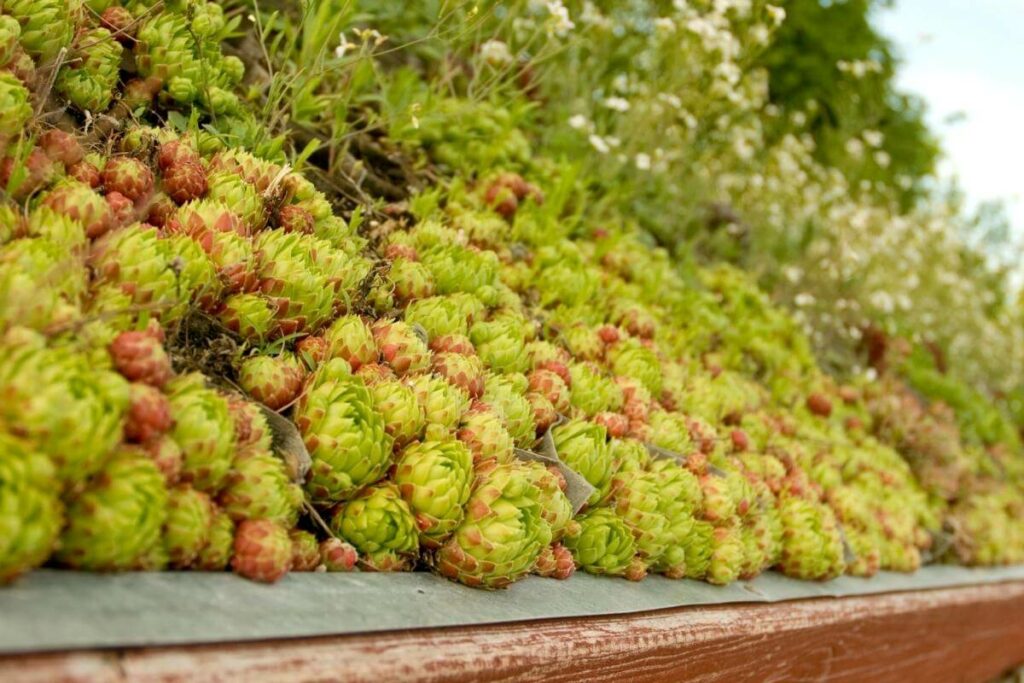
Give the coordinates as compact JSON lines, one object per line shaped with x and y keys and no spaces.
{"x":290,"y":276}
{"x":397,"y":402}
{"x":679,"y":500}
{"x":635,"y":498}
{"x":605,"y":545}
{"x":42,"y":280}
{"x":250,"y":315}
{"x":31,"y":514}
{"x":629,"y":455}
{"x":592,"y":391}
{"x":116,"y":521}
{"x":410,"y":280}
{"x":88,"y":81}
{"x":350,"y":338}
{"x":508,"y":400}
{"x":500,"y":345}
{"x":187,"y":528}
{"x":216,"y":554}
{"x":458,"y":269}
{"x":156,"y":272}
{"x":584,"y":447}
{"x":669,"y":430}
{"x":556,"y":507}
{"x":438,"y":315}
{"x":443,"y":404}
{"x":697,"y":546}
{"x":484,"y":433}
{"x":502,"y":534}
{"x":434,"y":478}
{"x":727,"y":555}
{"x":17,"y":110}
{"x":812,"y":547}
{"x":229,"y":189}
{"x":204,"y":429}
{"x":379,"y":523}
{"x":343,"y":432}
{"x":258,"y":487}
{"x":46,"y":25}
{"x":61,"y":402}
{"x":630,"y":358}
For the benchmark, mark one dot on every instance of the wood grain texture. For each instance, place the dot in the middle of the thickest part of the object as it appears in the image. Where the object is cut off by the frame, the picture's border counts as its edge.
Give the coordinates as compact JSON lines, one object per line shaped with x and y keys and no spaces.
{"x":960,"y":634}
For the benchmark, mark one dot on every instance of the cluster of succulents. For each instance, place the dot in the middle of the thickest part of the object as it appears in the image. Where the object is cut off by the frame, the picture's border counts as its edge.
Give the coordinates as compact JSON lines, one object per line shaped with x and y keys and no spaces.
{"x":422,"y":371}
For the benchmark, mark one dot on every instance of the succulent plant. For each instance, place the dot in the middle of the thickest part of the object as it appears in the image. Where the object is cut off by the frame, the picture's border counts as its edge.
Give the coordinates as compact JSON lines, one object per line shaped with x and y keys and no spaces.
{"x":500,"y":345}
{"x":60,"y":403}
{"x":443,"y":404}
{"x":274,"y":381}
{"x":503,"y":532}
{"x":204,"y":429}
{"x":396,"y":401}
{"x":439,"y":316}
{"x":484,"y":433}
{"x":338,"y":556}
{"x":434,"y":478}
{"x":400,"y":347}
{"x":343,"y":432}
{"x":116,"y":521}
{"x":556,"y":508}
{"x":464,"y":371}
{"x":216,"y":554}
{"x":592,"y":391}
{"x":149,"y":414}
{"x":379,"y":523}
{"x":811,"y":545}
{"x":305,"y":551}
{"x":258,"y":487}
{"x":89,"y":78}
{"x":508,"y":400}
{"x":46,"y":25}
{"x":605,"y":545}
{"x":631,"y":358}
{"x":351,"y":339}
{"x":190,"y":515}
{"x":555,"y":562}
{"x":31,"y":515}
{"x":262,"y":550}
{"x":583,"y":446}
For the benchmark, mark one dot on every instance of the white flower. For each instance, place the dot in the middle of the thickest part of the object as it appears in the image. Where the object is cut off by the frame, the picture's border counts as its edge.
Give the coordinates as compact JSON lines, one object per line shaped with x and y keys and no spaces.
{"x":643,"y":161}
{"x":664,"y":25}
{"x":560,"y":23}
{"x":670,"y":99}
{"x":496,"y":53}
{"x":803,"y":299}
{"x":371,"y":35}
{"x":882,"y":158}
{"x":855,"y":148}
{"x":874,"y":138}
{"x":592,"y":16}
{"x":617,"y":103}
{"x":777,"y":14}
{"x":598,"y":143}
{"x":343,"y":46}
{"x":578,"y":122}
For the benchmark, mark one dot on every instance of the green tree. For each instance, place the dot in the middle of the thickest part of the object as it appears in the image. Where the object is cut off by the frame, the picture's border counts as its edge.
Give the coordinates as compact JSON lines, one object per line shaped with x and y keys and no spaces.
{"x":829,"y":62}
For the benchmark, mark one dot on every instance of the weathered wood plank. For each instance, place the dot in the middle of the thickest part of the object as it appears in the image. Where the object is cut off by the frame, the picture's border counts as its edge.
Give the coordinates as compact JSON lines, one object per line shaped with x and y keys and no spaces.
{"x":960,"y":634}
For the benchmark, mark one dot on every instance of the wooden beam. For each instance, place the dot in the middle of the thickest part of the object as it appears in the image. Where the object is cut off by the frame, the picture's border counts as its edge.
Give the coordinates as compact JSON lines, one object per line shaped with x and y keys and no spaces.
{"x":957,"y":634}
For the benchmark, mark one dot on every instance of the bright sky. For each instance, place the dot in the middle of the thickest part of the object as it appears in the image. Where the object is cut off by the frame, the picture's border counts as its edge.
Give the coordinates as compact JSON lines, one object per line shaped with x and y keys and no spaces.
{"x":967,"y":56}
